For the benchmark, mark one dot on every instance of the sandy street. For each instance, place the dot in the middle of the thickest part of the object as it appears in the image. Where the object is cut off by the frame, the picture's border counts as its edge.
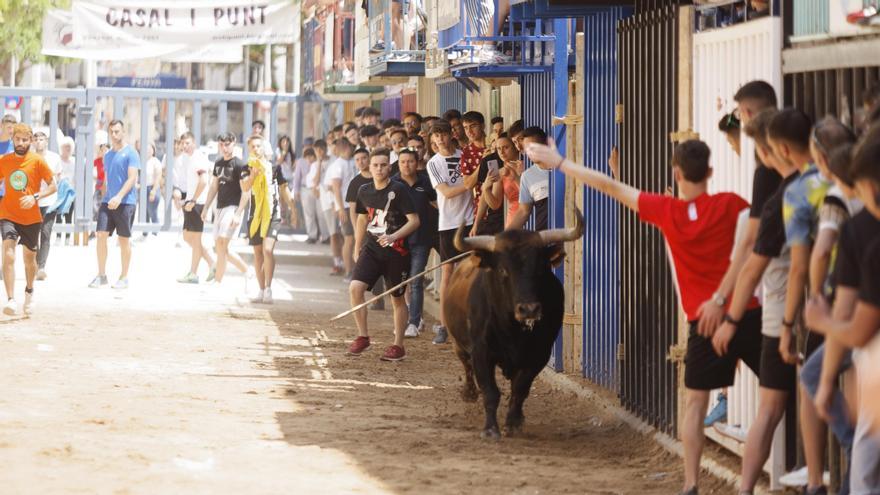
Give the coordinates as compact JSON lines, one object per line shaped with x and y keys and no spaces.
{"x":190,"y":389}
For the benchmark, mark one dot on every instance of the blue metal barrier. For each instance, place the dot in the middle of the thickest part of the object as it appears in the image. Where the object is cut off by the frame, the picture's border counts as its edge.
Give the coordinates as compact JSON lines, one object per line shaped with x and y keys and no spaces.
{"x":601,"y":261}
{"x":452,"y":95}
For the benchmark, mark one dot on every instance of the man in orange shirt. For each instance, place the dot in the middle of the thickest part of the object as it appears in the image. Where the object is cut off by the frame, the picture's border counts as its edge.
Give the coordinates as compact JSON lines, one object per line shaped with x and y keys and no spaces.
{"x":20,"y":218}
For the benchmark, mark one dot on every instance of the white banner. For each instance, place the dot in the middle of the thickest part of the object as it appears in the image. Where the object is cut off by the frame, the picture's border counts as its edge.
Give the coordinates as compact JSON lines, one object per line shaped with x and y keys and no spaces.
{"x":194,"y":24}
{"x":59,"y":39}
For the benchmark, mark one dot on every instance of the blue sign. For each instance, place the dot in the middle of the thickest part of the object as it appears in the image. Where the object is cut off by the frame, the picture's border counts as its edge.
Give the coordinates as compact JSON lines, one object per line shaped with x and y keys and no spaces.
{"x":158,"y":82}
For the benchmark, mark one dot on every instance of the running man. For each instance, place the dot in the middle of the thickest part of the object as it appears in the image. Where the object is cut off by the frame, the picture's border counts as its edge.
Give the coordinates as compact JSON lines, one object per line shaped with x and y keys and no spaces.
{"x":386,"y":217}
{"x":20,"y":219}
{"x":229,"y":173}
{"x":121,"y":167}
{"x":701,"y":231}
{"x":267,"y":188}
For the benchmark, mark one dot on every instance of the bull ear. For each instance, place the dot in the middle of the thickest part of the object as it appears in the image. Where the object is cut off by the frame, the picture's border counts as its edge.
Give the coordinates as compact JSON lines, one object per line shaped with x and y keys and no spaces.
{"x":555,"y":254}
{"x":486,"y":258}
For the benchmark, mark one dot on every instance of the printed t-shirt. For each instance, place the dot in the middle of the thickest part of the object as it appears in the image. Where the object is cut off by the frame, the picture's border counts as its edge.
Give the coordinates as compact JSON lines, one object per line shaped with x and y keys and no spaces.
{"x":700,"y":235}
{"x":23,"y":175}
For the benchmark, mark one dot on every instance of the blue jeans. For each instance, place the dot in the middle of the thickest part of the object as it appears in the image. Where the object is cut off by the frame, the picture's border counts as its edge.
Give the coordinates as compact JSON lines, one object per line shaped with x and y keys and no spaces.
{"x":418,"y":261}
{"x":840,"y":424}
{"x":152,"y":207}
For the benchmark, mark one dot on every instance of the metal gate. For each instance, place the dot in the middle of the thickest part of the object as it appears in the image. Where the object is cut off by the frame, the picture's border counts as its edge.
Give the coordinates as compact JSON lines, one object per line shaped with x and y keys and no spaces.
{"x":601,"y":261}
{"x":149,"y":116}
{"x":836,"y":92}
{"x":452,"y":95}
{"x":647,"y":75}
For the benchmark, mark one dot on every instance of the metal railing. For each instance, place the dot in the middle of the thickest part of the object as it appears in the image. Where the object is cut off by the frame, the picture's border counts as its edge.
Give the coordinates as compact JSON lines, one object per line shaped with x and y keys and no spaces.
{"x":392,"y":24}
{"x":148,"y":116}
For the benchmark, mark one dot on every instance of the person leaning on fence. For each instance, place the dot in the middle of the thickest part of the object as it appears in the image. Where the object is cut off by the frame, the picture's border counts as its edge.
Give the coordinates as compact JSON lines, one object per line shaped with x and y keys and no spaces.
{"x":768,"y":264}
{"x":504,"y":186}
{"x":701,"y":231}
{"x":20,"y":220}
{"x":386,"y":217}
{"x":858,"y":277}
{"x":121,"y":167}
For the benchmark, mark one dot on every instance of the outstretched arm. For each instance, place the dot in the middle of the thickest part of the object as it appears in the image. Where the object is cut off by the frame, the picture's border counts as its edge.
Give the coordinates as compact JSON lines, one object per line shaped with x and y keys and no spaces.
{"x":549,"y":155}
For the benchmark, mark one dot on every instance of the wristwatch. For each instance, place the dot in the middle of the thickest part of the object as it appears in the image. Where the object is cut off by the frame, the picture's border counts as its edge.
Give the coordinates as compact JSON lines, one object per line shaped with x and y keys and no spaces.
{"x":729,"y":319}
{"x":718,"y":299}
{"x":36,"y":196}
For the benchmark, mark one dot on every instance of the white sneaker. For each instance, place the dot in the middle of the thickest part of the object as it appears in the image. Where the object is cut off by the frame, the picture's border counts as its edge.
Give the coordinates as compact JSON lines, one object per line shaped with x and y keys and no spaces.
{"x":28,"y":306}
{"x":412,"y":331}
{"x":258,"y":299}
{"x":10,"y":308}
{"x":267,"y":296}
{"x":421,"y":325}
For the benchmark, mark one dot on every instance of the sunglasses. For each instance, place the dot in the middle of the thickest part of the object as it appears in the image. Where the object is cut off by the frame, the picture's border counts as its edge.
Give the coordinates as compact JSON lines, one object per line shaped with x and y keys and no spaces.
{"x":733,"y":119}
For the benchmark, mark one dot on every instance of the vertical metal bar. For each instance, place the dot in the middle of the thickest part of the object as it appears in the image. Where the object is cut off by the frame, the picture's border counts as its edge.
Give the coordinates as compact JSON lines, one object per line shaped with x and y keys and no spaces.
{"x":26,"y":110}
{"x":53,"y":124}
{"x":145,"y":147}
{"x":169,"y":162}
{"x":197,"y":121}
{"x":85,"y":214}
{"x":246,"y":126}
{"x":222,"y":109}
{"x":298,"y":130}
{"x":118,"y":108}
{"x":273,"y":122}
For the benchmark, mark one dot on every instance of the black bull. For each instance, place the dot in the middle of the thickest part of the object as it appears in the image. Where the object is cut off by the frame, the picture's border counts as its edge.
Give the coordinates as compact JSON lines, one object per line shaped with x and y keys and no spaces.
{"x":504,"y":308}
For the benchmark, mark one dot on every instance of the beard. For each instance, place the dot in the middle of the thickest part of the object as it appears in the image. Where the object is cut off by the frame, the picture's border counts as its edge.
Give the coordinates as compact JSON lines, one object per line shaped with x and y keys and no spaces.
{"x":21,"y":150}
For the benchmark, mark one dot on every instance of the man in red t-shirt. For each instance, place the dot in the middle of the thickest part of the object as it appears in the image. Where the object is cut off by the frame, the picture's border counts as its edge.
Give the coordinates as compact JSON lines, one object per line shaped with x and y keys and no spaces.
{"x":472,"y":153}
{"x":700,"y":230}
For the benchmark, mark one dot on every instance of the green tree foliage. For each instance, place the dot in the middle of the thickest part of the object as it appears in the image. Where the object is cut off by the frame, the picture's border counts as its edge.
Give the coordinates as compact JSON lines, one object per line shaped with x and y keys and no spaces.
{"x":21,"y":30}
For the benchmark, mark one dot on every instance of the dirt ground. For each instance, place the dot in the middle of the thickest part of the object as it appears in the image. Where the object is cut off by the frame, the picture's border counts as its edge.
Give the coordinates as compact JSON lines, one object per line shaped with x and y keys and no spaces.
{"x":175,"y":389}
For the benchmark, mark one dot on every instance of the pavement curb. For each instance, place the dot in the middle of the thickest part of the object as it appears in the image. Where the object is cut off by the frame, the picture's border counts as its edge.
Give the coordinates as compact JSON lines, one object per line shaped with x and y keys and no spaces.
{"x":560,"y":381}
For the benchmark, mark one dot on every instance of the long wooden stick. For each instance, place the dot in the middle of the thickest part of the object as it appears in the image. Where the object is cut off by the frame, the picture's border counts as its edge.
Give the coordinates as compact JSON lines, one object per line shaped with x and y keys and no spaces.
{"x":402,"y":284}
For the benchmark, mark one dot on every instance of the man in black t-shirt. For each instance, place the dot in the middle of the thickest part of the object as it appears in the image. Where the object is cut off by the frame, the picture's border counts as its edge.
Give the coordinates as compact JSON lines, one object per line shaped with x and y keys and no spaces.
{"x":425,"y":238}
{"x":386,"y":217}
{"x":229,"y":172}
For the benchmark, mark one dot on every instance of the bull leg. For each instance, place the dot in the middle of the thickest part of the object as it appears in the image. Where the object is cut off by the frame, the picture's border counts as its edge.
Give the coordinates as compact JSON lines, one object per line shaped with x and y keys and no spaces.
{"x":484,"y":370}
{"x":520,"y":386}
{"x":469,"y":389}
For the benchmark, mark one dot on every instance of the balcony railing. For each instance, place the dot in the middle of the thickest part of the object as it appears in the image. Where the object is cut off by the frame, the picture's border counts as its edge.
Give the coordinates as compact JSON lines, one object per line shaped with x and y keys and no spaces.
{"x":397,"y":38}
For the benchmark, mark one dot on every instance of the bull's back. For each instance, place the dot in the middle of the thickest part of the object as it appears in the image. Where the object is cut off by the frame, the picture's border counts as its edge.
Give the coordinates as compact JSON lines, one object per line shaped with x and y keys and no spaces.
{"x":456,"y":300}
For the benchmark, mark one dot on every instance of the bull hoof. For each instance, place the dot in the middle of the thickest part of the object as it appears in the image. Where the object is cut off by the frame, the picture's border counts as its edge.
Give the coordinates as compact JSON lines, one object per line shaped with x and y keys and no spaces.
{"x":513,"y":430}
{"x":469,"y":394}
{"x":490,"y":434}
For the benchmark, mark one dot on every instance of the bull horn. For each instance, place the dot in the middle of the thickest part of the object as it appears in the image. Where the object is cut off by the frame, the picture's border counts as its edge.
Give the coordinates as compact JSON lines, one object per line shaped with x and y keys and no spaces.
{"x":564,"y":235}
{"x":465,"y":244}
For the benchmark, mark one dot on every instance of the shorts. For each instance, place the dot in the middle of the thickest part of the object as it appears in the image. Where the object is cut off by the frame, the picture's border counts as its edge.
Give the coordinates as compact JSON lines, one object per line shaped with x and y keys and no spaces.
{"x":272,"y":233}
{"x":223,"y":222}
{"x":491,"y":225}
{"x":332,"y":222}
{"x":26,"y":235}
{"x":775,"y":373}
{"x":447,"y":243}
{"x":347,"y":227}
{"x":706,"y":370}
{"x":371,"y":266}
{"x":192,"y":220}
{"x":118,"y":220}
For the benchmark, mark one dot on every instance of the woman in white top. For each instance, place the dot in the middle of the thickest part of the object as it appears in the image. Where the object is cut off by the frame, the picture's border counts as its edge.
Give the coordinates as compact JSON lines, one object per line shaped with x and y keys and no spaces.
{"x":154,"y":189}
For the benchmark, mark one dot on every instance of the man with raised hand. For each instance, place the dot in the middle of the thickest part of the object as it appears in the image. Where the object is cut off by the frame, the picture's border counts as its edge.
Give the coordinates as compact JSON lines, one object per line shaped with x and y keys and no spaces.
{"x":700,"y":230}
{"x":121,"y":167}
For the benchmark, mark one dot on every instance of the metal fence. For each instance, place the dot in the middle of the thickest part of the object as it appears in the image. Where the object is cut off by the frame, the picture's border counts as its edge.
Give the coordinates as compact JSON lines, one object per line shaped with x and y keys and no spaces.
{"x":647,"y":75}
{"x":451,"y":95}
{"x":601,"y":260}
{"x":150,"y":116}
{"x":810,"y":17}
{"x":836,"y":92}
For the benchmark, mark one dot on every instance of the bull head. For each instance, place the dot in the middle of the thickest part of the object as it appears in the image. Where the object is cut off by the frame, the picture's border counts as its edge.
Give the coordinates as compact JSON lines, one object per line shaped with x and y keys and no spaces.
{"x":518,"y":260}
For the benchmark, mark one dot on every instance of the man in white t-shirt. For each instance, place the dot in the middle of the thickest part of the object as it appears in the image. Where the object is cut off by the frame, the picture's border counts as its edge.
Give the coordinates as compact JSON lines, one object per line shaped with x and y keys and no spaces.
{"x":196,"y":169}
{"x":41,"y":143}
{"x":454,"y":202}
{"x":336,"y":180}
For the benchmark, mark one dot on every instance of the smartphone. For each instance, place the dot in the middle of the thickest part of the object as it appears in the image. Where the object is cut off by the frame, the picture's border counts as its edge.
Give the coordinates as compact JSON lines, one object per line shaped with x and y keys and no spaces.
{"x":493,"y":166}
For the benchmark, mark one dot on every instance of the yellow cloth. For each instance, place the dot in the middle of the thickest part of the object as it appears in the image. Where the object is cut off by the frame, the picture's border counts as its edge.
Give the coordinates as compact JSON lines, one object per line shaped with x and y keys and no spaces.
{"x":260,"y":190}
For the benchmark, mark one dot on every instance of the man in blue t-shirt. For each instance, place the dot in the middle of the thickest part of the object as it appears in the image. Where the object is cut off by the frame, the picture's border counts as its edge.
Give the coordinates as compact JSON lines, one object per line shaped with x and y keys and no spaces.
{"x":121,"y":166}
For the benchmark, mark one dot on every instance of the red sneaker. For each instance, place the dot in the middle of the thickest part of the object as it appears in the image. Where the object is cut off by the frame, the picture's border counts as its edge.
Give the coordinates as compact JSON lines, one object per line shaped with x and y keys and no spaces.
{"x":394,"y":353}
{"x":359,"y":345}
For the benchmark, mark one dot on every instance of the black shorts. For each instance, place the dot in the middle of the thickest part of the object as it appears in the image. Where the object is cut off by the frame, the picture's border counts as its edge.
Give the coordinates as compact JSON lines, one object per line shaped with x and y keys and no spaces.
{"x":491,"y":225}
{"x":192,"y":220}
{"x":371,"y":266}
{"x":118,"y":220}
{"x":347,"y":227}
{"x":775,"y":374}
{"x":272,"y":233}
{"x":706,"y":370}
{"x":447,"y":243}
{"x":26,"y":235}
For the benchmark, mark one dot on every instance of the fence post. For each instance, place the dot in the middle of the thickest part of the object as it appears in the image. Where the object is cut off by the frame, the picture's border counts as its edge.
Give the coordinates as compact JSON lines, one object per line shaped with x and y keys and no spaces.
{"x":169,"y":163}
{"x":84,"y":138}
{"x":145,"y":146}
